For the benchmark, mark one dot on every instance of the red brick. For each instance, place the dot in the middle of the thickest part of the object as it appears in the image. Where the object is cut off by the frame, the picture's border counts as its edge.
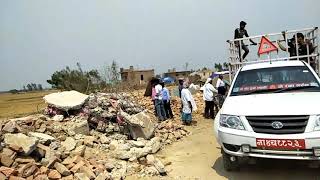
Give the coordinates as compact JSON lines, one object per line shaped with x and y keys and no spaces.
{"x":16,"y":178}
{"x":8,"y":171}
{"x":54,"y":174}
{"x":76,"y":167}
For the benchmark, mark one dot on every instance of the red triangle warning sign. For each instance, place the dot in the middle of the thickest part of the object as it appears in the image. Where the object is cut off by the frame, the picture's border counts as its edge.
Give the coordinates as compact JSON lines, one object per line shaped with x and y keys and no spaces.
{"x":266,"y":46}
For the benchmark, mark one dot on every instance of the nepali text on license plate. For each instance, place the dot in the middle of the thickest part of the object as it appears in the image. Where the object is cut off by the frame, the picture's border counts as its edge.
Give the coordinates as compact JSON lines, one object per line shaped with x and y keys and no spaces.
{"x":281,"y":143}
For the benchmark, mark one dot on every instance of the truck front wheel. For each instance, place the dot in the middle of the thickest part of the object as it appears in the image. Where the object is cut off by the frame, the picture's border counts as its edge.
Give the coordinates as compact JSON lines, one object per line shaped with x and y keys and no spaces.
{"x":230,"y":163}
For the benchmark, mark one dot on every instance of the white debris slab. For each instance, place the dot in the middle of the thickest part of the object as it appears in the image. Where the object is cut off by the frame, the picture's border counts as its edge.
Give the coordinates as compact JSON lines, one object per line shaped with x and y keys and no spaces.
{"x":66,"y":100}
{"x":27,"y":144}
{"x":43,"y":138}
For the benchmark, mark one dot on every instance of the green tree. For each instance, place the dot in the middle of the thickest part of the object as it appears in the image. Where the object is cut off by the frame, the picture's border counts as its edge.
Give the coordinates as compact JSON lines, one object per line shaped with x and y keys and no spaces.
{"x":14,"y":91}
{"x":225,"y":65}
{"x":29,"y":87}
{"x":40,"y":87}
{"x":76,"y":79}
{"x":34,"y":86}
{"x":218,"y":66}
{"x":204,"y":68}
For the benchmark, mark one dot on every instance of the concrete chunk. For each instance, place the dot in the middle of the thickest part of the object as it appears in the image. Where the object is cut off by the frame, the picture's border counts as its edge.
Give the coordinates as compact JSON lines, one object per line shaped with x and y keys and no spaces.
{"x":140,"y":125}
{"x":79,"y":150}
{"x":160,"y":167}
{"x":10,"y":127}
{"x":155,"y":144}
{"x":66,"y":100}
{"x":43,"y":138}
{"x":28,"y":144}
{"x":58,"y":118}
{"x":69,"y":144}
{"x":80,"y":128}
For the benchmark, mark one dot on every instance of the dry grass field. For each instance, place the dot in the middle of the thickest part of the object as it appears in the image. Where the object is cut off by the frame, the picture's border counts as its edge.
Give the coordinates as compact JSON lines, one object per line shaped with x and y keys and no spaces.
{"x":16,"y":105}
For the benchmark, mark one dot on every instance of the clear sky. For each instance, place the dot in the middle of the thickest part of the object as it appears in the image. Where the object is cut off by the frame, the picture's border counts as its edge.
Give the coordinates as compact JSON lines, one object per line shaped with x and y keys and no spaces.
{"x":39,"y":37}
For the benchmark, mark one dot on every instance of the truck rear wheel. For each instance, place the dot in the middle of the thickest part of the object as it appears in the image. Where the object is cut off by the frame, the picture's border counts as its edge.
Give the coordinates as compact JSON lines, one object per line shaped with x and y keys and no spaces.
{"x":230,"y":163}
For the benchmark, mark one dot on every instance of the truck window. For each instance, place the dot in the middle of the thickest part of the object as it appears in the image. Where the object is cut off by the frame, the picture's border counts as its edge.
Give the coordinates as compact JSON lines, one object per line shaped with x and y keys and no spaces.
{"x":269,"y":80}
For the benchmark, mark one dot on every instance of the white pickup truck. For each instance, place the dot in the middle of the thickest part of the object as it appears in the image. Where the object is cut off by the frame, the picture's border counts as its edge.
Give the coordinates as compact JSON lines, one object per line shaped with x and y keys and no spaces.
{"x":271,"y":111}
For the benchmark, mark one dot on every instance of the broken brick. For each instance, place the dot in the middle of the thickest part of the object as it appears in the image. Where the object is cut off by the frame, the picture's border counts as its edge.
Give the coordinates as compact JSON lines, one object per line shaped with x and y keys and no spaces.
{"x":62,"y":169}
{"x":88,"y":172}
{"x":76,"y":167}
{"x":16,"y":178}
{"x":8,"y":171}
{"x":54,"y":174}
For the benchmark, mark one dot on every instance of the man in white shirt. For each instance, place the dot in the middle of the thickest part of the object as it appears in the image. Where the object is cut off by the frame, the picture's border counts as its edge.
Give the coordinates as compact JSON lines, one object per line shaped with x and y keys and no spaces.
{"x":188,"y":104}
{"x":159,"y":102}
{"x":208,"y":95}
{"x":221,"y":86}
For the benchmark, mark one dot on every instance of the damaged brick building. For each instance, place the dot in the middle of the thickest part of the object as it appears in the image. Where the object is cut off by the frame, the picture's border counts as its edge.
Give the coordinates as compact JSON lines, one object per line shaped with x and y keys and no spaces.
{"x":176,"y":74}
{"x":136,"y":77}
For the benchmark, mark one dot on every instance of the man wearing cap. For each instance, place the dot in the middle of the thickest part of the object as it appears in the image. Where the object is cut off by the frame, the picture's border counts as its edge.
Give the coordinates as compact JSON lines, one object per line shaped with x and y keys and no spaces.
{"x":208,"y":95}
{"x":240,"y":33}
{"x":188,"y":104}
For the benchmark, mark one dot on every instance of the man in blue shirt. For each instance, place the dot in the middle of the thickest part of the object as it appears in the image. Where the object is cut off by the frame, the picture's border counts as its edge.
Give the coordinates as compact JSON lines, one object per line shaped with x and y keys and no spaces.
{"x":166,"y":101}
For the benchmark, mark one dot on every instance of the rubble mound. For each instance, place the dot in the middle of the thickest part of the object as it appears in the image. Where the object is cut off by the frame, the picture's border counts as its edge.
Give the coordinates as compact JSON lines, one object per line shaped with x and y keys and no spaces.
{"x":108,"y":137}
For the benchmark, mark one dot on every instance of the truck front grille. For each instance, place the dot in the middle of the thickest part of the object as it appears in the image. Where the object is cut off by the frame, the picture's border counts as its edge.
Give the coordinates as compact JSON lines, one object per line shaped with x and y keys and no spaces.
{"x":291,"y":124}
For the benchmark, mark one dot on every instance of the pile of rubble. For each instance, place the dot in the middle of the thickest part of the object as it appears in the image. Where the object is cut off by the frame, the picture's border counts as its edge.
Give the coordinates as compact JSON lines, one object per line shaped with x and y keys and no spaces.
{"x":169,"y":132}
{"x":101,"y":136}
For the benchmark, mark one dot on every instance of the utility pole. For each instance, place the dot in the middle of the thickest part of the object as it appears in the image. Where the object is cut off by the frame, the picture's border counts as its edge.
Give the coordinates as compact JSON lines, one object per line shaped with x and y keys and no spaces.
{"x":186,"y":66}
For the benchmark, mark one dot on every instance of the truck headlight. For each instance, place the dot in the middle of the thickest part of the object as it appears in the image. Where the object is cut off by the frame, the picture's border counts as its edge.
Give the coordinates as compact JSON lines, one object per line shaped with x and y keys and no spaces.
{"x":317,"y":123}
{"x":232,"y":122}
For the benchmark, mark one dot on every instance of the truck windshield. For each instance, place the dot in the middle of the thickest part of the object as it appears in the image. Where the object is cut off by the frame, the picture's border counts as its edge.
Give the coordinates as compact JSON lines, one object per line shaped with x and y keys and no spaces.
{"x":275,"y":80}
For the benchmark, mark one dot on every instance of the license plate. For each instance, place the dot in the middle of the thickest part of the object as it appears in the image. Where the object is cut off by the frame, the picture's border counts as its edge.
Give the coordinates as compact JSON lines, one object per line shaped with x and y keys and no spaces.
{"x":280,"y":143}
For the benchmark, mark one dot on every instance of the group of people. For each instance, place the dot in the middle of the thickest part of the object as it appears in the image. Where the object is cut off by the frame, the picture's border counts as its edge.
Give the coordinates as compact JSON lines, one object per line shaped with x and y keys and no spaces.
{"x":213,"y":96}
{"x":161,"y":100}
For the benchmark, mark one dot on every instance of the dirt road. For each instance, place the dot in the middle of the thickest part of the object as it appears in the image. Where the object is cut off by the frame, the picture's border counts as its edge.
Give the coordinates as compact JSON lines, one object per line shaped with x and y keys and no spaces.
{"x":198,"y":157}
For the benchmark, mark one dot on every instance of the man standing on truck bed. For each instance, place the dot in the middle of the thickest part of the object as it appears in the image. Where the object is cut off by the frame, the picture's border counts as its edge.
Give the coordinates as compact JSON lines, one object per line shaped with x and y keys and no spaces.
{"x":303,"y":46}
{"x":238,"y":34}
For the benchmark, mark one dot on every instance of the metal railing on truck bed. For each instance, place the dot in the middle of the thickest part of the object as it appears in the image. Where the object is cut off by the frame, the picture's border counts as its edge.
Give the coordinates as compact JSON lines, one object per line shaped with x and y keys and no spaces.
{"x":286,"y":46}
